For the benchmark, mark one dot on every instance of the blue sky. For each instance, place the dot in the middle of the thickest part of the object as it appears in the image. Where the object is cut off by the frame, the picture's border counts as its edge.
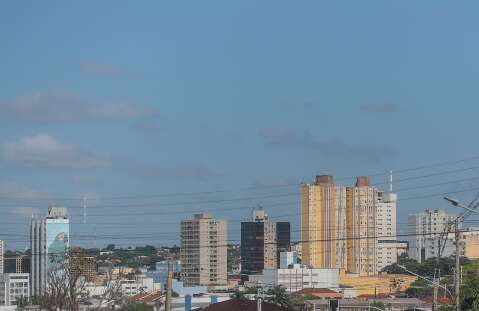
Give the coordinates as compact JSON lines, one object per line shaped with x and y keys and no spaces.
{"x":114,"y":98}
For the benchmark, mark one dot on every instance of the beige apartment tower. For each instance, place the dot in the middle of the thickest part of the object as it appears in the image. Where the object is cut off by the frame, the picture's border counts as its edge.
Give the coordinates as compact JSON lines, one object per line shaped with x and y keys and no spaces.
{"x":204,"y":251}
{"x":362,"y":243}
{"x":323,"y":224}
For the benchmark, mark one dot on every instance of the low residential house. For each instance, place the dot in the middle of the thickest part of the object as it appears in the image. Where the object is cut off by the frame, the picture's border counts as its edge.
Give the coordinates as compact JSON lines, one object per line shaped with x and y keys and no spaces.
{"x":320,"y":293}
{"x":154,"y":298}
{"x":298,"y":277}
{"x":242,"y":305}
{"x":390,"y":304}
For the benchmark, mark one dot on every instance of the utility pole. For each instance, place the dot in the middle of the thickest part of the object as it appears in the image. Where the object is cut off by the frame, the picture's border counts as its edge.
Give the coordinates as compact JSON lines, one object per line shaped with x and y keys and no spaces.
{"x":169,"y":284}
{"x":435,"y":280}
{"x":260,"y":299}
{"x":457,"y":272}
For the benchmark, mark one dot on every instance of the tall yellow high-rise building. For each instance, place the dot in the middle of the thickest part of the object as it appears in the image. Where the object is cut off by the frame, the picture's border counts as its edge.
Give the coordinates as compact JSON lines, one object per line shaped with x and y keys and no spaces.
{"x":323,"y":222}
{"x":338,"y":225}
{"x":361,"y":201}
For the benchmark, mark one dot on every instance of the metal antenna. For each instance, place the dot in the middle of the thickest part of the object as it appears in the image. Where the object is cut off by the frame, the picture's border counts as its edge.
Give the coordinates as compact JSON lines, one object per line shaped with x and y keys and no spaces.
{"x":84,"y":210}
{"x":390,"y":181}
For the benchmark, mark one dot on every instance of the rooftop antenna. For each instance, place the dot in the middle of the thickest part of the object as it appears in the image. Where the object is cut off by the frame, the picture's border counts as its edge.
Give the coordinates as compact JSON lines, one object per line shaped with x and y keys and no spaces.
{"x":390,"y":181}
{"x":84,"y":210}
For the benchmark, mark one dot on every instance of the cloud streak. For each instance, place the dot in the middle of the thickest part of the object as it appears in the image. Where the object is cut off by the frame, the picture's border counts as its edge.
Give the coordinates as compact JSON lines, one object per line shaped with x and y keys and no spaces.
{"x":333,"y":148}
{"x":192,"y":171}
{"x":100,"y":69}
{"x":384,"y":108}
{"x":65,"y":107}
{"x":44,"y":151}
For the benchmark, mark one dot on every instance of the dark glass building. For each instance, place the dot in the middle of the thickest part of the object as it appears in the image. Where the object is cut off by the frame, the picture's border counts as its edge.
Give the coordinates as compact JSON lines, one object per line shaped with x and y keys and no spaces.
{"x":283,"y":238}
{"x":261,"y":243}
{"x":20,"y":264}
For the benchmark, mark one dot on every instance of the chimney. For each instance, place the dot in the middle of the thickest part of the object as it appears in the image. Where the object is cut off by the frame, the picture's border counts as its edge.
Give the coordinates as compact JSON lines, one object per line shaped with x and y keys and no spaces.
{"x":362,"y":181}
{"x":324,"y":180}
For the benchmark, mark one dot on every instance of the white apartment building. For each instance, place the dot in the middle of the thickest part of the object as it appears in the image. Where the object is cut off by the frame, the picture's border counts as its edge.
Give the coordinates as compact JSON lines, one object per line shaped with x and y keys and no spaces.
{"x":2,"y":251}
{"x":204,"y":251}
{"x":386,"y":216}
{"x":287,"y":258}
{"x":426,"y":229}
{"x":388,"y":248}
{"x":299,"y":277}
{"x":430,"y":246}
{"x":389,"y":251}
{"x":141,"y":284}
{"x":13,"y":286}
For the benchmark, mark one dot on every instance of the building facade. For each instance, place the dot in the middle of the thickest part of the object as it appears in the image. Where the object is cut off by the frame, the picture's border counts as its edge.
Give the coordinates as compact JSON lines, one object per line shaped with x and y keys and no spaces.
{"x":262,"y":241}
{"x":388,"y":248}
{"x":470,"y":239}
{"x":388,"y":252}
{"x":299,"y":277}
{"x":2,"y":252}
{"x":338,"y":225}
{"x":18,"y":264}
{"x":13,"y":286}
{"x":386,"y":216}
{"x":49,"y":241}
{"x":323,"y":224}
{"x":426,"y":230}
{"x":361,"y":201}
{"x":287,"y":259}
{"x":82,"y":266}
{"x":204,"y":251}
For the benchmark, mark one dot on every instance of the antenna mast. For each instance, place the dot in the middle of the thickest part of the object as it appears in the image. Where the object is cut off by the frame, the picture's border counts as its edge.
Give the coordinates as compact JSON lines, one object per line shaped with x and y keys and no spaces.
{"x":84,"y":210}
{"x":390,"y":181}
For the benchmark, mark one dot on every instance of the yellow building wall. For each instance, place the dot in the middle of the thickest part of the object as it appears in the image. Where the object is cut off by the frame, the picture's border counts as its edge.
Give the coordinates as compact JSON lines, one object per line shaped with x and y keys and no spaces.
{"x":318,"y":226}
{"x":383,"y":284}
{"x":471,"y":247}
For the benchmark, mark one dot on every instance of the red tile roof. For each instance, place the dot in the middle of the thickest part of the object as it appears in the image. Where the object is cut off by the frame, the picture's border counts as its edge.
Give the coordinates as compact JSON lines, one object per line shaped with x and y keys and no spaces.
{"x":241,"y":305}
{"x":150,"y":297}
{"x":320,"y":292}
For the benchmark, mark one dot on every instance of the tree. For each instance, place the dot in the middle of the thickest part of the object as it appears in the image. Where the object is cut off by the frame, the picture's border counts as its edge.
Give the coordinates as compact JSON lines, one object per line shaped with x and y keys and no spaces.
{"x":420,"y":289}
{"x":66,"y":288}
{"x":278,"y":296}
{"x":378,"y":305}
{"x":426,"y":268}
{"x":470,"y":288}
{"x":239,"y":295}
{"x":138,"y":306}
{"x":298,"y":301}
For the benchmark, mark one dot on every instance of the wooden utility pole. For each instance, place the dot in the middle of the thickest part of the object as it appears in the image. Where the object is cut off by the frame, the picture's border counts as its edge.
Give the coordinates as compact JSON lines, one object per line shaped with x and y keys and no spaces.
{"x":169,"y":284}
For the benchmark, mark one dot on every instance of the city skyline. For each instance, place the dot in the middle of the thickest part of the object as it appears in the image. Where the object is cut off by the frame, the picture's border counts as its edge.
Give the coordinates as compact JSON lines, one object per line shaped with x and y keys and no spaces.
{"x":188,"y":99}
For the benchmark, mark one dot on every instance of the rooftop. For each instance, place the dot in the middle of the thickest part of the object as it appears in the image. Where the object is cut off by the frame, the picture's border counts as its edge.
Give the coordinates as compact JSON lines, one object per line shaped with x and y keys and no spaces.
{"x":241,"y":305}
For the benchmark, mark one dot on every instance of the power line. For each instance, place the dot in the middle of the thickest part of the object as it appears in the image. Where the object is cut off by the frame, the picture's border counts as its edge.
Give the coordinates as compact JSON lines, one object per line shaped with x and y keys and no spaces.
{"x":397,"y":171}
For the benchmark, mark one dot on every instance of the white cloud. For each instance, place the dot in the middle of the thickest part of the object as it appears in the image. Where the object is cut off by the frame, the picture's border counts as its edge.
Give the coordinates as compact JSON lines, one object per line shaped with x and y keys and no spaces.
{"x":44,"y":151}
{"x":54,"y":107}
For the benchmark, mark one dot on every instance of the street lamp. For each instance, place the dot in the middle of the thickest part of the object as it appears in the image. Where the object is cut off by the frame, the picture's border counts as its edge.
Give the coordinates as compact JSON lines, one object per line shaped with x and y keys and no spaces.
{"x":457,"y":203}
